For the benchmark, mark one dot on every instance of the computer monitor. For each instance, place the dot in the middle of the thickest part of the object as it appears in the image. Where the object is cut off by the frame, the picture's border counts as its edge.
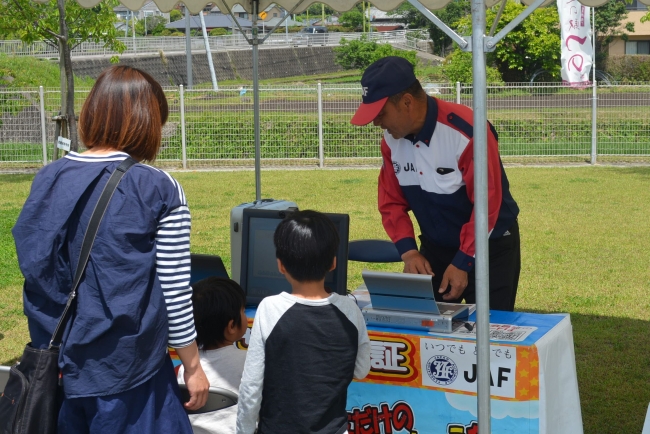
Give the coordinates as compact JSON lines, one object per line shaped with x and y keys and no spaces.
{"x":259,"y":268}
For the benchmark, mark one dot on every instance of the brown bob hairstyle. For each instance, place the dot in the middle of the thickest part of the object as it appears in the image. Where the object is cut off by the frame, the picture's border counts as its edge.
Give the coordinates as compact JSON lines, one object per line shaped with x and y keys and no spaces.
{"x":125,"y":110}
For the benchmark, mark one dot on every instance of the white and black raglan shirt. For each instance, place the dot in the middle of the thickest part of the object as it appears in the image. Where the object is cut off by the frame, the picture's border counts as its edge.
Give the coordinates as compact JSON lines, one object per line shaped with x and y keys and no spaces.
{"x":302,"y":356}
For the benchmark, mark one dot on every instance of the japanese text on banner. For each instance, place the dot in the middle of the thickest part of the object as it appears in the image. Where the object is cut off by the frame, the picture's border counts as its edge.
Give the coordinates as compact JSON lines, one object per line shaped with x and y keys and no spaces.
{"x":576,"y":43}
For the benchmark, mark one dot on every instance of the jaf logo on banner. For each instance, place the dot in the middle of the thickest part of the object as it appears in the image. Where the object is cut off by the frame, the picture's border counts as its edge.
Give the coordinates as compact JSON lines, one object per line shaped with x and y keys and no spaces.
{"x":442,"y":370}
{"x":451,"y":365}
{"x":396,"y":167}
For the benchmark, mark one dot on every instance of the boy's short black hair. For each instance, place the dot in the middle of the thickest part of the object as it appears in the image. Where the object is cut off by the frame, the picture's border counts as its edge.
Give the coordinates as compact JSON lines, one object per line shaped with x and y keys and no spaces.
{"x":216,"y":301}
{"x":306,"y":242}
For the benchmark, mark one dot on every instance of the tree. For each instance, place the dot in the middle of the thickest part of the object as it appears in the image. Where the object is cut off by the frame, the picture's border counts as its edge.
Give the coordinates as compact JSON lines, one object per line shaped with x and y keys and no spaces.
{"x":316,"y":10}
{"x":608,"y":22}
{"x":351,"y":19}
{"x":175,"y":15}
{"x":449,"y":15}
{"x":63,"y":24}
{"x":155,"y":25}
{"x":532,"y":45}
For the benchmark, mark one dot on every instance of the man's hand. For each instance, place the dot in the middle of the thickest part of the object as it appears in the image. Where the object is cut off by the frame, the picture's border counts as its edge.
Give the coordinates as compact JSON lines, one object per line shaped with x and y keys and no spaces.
{"x":455,"y":277}
{"x":415,"y":263}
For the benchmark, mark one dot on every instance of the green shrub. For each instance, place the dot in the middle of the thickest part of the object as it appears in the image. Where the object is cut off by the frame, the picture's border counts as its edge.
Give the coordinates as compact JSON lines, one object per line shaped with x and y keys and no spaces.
{"x":458,"y":67}
{"x":358,"y":54}
{"x":336,"y":28}
{"x":26,"y":71}
{"x":218,"y":32}
{"x":628,"y":68}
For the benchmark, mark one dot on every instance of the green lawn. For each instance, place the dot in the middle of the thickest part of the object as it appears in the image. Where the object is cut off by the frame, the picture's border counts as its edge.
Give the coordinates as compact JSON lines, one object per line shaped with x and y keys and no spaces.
{"x":585,"y":249}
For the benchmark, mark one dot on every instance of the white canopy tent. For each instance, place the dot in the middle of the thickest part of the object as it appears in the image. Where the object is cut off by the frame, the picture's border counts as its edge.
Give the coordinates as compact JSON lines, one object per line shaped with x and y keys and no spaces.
{"x":339,"y":5}
{"x":478,"y":43}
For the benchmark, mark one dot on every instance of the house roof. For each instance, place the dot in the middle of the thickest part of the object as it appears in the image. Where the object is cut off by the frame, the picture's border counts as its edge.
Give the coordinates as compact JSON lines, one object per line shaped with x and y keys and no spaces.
{"x":212,"y":21}
{"x":148,"y":6}
{"x":271,"y":6}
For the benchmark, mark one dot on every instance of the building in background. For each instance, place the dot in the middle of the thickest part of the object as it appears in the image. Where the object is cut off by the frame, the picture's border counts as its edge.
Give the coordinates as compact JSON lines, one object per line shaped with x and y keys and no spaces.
{"x":148,"y":9}
{"x":638,"y":41}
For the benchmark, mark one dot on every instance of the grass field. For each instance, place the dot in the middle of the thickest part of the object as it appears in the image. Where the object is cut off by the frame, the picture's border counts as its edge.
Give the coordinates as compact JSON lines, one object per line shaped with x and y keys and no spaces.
{"x":585,"y":249}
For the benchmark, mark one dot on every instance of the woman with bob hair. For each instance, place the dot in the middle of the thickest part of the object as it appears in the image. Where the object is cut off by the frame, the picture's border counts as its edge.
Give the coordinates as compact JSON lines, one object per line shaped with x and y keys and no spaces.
{"x":134,"y":300}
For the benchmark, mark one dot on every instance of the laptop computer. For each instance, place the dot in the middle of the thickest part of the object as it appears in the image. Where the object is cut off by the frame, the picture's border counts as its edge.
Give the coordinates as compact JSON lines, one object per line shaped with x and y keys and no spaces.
{"x":406,"y":300}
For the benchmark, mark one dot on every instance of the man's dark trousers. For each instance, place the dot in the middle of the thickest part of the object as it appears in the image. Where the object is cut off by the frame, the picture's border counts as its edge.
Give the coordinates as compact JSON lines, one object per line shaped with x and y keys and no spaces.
{"x":505,"y":264}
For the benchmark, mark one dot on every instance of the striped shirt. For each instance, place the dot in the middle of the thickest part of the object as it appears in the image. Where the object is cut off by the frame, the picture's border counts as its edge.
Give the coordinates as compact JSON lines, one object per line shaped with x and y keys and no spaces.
{"x":134,"y":299}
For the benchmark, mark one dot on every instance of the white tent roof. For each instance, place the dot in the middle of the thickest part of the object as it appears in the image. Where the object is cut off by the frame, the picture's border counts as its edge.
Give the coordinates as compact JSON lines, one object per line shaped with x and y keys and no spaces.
{"x":340,"y":5}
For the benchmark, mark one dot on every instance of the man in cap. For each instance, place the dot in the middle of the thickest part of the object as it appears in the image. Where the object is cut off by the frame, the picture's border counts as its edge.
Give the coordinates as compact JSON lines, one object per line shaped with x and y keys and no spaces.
{"x":428,"y":168}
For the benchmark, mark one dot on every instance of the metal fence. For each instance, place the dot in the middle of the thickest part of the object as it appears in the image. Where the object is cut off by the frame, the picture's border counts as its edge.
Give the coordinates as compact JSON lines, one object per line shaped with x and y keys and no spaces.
{"x":413,"y":39}
{"x":309,"y":126}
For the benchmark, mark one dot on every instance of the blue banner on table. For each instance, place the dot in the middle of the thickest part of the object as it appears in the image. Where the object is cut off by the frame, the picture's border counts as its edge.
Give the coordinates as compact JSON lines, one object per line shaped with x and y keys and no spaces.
{"x":424,"y":383}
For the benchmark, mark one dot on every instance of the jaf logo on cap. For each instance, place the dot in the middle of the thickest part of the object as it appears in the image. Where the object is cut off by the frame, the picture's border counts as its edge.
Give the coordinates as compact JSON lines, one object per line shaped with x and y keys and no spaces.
{"x":384,"y":78}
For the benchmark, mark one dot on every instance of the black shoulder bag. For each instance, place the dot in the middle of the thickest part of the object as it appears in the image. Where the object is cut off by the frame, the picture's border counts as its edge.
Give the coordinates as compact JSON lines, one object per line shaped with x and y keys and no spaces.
{"x":30,"y":402}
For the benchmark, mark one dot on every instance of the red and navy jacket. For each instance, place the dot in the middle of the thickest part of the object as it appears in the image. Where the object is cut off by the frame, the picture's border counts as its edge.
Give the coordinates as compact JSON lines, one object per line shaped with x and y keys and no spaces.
{"x":432,"y":174}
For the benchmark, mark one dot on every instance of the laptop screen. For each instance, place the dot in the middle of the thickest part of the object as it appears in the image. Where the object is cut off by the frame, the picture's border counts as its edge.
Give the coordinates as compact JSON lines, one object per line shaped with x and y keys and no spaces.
{"x":401,"y":291}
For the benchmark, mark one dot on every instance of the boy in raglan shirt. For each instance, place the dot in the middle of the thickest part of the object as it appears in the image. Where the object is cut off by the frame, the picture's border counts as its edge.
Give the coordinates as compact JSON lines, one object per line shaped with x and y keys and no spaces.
{"x":305,"y":347}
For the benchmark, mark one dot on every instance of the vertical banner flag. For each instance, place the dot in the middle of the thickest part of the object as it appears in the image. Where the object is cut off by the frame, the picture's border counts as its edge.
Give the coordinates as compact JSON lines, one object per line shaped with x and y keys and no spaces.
{"x":576,"y":42}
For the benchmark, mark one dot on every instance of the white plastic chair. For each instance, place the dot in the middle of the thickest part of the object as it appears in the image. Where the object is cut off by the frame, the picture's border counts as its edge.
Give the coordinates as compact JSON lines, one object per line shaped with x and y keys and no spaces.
{"x":217,"y":399}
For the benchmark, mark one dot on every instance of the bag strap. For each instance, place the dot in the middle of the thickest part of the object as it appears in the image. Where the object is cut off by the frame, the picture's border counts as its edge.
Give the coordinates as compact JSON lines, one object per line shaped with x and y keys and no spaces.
{"x":86,"y":246}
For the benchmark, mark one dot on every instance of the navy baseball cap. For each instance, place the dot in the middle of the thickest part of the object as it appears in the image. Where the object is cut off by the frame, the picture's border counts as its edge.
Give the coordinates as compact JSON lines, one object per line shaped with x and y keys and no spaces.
{"x":384,"y":78}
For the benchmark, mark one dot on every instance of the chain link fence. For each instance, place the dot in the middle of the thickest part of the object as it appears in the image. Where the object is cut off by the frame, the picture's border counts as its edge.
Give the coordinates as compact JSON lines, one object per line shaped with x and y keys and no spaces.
{"x":309,"y":125}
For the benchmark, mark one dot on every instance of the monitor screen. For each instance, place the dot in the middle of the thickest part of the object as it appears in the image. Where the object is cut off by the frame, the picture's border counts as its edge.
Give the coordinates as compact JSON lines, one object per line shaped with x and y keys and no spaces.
{"x":259,"y":268}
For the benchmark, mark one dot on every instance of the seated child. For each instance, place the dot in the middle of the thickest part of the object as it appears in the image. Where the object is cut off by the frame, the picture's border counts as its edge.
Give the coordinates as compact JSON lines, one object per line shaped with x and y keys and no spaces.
{"x":220,"y":321}
{"x":306,"y":346}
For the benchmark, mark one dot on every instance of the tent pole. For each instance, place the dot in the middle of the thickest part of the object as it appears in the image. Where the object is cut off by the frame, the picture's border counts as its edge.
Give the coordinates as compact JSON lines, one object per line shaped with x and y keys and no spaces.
{"x":462,"y":43}
{"x":481,"y":213}
{"x":497,"y":18}
{"x":283,"y":20}
{"x":188,"y":48}
{"x":594,"y":96}
{"x":256,"y":104}
{"x":234,"y":19}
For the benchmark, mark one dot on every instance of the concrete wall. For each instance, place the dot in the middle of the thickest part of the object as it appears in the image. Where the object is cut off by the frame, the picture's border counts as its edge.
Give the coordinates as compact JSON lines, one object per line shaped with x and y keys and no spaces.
{"x":171,"y":70}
